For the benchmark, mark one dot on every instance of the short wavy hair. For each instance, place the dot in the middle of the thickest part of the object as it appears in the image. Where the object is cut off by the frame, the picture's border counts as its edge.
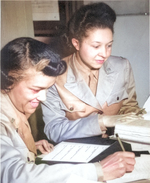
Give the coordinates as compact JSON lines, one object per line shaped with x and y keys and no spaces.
{"x":23,"y":53}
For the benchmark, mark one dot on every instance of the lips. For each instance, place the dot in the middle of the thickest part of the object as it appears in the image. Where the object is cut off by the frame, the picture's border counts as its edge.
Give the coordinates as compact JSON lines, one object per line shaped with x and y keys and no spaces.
{"x":100,"y":61}
{"x":34,"y":104}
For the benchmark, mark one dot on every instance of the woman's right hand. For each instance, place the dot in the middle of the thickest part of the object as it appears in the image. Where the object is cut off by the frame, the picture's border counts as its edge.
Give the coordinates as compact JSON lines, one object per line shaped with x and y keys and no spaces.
{"x":117,"y":164}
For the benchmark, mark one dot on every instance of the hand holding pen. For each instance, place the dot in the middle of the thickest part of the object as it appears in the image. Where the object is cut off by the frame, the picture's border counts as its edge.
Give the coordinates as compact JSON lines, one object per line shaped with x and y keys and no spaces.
{"x":118,"y":163}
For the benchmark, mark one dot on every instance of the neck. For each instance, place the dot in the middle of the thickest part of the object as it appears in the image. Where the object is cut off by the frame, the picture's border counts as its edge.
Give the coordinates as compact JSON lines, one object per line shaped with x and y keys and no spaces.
{"x":27,"y":115}
{"x":82,"y":64}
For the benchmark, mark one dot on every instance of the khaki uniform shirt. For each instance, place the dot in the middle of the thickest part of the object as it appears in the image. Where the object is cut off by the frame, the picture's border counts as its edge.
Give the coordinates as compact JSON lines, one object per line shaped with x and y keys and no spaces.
{"x":72,"y":109}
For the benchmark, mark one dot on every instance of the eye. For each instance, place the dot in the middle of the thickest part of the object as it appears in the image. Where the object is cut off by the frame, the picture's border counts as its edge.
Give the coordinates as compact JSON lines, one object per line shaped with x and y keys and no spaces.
{"x":109,"y":46}
{"x":96,"y":46}
{"x":35,"y":91}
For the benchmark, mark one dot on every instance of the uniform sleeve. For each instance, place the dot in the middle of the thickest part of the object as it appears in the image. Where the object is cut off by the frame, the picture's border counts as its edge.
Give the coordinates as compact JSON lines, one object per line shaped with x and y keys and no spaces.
{"x":15,"y":169}
{"x":130,"y":104}
{"x":58,"y":127}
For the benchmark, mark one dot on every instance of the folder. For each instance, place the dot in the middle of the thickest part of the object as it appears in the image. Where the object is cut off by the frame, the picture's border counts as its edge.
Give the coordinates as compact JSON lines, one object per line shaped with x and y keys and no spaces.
{"x":114,"y":146}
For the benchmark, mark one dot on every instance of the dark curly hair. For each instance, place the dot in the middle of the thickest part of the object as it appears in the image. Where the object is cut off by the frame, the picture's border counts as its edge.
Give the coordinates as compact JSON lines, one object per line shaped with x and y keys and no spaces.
{"x":96,"y":15}
{"x":23,"y":53}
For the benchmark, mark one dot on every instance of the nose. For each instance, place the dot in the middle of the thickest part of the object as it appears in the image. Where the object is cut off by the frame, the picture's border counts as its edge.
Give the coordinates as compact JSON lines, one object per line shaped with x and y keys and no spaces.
{"x":103,"y":51}
{"x":42,"y":95}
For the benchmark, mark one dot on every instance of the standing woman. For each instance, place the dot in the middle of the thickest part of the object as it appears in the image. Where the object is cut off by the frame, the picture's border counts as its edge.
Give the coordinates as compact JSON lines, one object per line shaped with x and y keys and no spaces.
{"x":97,"y":88}
{"x":28,"y":68}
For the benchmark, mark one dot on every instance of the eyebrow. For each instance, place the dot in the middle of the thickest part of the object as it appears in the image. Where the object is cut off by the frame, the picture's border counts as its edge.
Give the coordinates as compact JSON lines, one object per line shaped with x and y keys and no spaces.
{"x":100,"y":42}
{"x":37,"y":87}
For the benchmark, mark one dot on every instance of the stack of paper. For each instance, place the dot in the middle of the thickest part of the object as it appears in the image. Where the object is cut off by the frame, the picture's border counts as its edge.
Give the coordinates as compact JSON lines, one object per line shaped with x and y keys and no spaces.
{"x":136,"y":130}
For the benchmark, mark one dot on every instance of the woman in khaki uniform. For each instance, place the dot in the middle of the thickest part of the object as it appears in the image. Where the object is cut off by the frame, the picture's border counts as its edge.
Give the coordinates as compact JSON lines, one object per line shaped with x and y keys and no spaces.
{"x":28,"y":68}
{"x":97,"y":88}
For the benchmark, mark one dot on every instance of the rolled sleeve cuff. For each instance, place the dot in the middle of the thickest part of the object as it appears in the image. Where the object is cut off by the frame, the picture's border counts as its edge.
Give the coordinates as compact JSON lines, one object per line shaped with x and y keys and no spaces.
{"x":99,"y":172}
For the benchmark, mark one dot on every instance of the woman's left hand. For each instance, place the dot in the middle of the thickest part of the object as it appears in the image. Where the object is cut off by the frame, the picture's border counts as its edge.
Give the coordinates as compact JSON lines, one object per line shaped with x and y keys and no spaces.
{"x":44,"y":147}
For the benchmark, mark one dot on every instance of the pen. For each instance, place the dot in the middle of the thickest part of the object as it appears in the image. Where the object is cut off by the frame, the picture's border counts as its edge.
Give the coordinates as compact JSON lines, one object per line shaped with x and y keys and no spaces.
{"x":123,"y":149}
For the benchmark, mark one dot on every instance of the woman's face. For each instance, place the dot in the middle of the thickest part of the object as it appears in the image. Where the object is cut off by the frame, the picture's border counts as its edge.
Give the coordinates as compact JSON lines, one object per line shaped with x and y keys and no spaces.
{"x":27,"y":93}
{"x":95,"y":48}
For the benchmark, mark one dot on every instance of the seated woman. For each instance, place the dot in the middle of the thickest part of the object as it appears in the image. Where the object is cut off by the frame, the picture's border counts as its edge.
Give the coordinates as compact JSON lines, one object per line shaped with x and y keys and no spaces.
{"x":97,"y":88}
{"x":28,"y":68}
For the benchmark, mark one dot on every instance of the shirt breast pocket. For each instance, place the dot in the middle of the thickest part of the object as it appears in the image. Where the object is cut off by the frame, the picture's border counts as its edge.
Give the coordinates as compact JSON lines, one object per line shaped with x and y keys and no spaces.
{"x":117,"y":97}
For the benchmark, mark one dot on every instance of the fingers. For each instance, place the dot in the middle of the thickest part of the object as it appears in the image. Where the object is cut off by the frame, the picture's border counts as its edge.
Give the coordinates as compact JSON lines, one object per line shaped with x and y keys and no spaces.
{"x":42,"y":150}
{"x":104,"y":135}
{"x":44,"y":147}
{"x":129,"y":167}
{"x":118,"y":163}
{"x":126,"y":154}
{"x":102,"y":126}
{"x":130,"y":162}
{"x":114,"y":170}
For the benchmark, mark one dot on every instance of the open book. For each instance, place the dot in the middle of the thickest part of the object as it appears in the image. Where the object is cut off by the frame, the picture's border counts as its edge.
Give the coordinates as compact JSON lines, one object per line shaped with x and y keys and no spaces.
{"x":136,"y":130}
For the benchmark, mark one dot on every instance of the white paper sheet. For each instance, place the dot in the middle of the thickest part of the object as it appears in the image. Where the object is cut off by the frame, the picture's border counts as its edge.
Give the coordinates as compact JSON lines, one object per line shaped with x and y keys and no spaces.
{"x":74,"y":152}
{"x":139,"y":147}
{"x":45,"y":10}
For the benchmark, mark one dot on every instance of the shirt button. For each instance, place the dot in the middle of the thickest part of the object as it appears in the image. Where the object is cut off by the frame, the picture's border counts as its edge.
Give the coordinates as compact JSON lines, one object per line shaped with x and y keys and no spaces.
{"x":71,"y":108}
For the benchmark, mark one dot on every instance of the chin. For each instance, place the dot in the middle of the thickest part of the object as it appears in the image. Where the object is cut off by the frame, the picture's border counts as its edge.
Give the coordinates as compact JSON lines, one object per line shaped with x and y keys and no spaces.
{"x":31,"y":111}
{"x":98,"y":67}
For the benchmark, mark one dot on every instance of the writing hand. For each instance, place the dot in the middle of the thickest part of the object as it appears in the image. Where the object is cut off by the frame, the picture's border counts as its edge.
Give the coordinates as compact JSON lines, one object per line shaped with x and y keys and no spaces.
{"x":117,"y":164}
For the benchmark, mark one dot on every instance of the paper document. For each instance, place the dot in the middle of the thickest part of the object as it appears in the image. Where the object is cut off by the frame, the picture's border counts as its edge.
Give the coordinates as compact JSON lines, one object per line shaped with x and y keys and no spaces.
{"x":141,"y":171}
{"x":74,"y":152}
{"x":139,"y":147}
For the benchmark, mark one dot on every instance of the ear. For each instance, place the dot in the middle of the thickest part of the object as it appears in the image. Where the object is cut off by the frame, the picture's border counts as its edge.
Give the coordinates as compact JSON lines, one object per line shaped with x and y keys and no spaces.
{"x":75,"y":43}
